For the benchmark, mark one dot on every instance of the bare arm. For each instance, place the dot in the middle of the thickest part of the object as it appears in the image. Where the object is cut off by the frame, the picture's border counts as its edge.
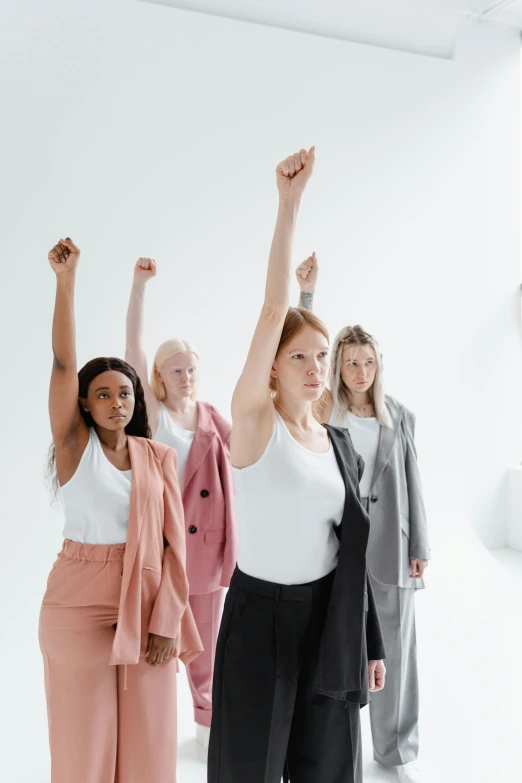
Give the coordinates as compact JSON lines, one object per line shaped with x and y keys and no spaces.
{"x":70,"y":433}
{"x":306,"y":275}
{"x":252,"y":408}
{"x":144,"y":270}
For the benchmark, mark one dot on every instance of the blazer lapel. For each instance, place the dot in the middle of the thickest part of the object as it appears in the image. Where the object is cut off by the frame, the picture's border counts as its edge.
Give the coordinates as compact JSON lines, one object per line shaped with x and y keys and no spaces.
{"x":386,"y":440}
{"x":201,"y":443}
{"x":141,"y":458}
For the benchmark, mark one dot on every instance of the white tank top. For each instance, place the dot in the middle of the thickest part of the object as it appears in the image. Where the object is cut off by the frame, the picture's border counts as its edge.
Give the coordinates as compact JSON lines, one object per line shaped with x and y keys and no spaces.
{"x":287,"y":505}
{"x":181,"y":440}
{"x":365,"y":434}
{"x":96,"y":500}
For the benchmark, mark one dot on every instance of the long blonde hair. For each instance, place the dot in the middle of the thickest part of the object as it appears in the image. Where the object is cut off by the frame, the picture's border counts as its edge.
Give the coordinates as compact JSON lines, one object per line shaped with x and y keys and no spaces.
{"x":166,"y":350}
{"x":348,"y":337}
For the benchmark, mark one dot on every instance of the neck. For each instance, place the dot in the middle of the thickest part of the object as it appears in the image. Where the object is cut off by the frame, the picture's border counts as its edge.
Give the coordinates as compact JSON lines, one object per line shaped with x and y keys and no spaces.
{"x":295,"y":411}
{"x":115,"y":441}
{"x":179,"y":404}
{"x":360,"y":399}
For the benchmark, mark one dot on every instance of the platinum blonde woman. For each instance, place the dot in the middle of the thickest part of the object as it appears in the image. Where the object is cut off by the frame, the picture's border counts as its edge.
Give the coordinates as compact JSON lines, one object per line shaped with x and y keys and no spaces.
{"x":382,"y":430}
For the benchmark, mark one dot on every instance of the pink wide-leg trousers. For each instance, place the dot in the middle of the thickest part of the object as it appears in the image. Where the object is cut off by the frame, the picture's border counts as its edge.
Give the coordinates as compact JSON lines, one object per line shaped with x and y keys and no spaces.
{"x":207,"y":610}
{"x":107,"y":724}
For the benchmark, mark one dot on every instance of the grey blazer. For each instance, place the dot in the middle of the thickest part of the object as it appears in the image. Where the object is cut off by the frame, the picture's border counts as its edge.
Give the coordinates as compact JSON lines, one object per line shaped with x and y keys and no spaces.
{"x":398,"y":527}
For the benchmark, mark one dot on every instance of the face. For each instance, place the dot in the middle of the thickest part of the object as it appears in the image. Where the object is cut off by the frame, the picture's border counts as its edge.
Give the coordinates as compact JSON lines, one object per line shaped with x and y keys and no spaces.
{"x":110,"y":400}
{"x":179,"y":374}
{"x":358,"y":368}
{"x":301,"y":369}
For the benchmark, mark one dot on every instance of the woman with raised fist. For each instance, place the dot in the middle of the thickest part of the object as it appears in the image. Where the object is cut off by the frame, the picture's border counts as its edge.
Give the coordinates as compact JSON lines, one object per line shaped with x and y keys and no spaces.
{"x":382,"y":430}
{"x":115,"y":615}
{"x":299,"y":644}
{"x":200,"y":437}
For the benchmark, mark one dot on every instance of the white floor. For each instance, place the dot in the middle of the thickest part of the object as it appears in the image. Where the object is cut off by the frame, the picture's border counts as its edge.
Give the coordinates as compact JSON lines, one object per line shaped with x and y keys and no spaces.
{"x":469,"y":625}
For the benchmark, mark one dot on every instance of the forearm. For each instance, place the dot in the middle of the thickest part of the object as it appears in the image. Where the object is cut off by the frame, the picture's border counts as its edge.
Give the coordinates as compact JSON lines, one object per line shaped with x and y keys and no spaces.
{"x":278,"y":282}
{"x":306,"y":300}
{"x":64,"y":328}
{"x":134,"y":323}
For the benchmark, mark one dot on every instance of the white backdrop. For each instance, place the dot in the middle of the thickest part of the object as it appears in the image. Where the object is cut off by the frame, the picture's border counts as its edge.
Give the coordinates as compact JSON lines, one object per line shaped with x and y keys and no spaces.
{"x":140,"y":130}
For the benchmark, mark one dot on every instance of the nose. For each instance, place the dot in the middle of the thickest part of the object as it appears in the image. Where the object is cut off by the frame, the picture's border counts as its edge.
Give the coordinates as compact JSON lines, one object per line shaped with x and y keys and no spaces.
{"x":314,"y":368}
{"x":116,"y":404}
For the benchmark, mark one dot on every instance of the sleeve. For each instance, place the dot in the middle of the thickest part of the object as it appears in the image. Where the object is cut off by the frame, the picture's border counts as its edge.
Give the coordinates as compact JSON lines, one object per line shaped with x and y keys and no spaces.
{"x":374,"y":640}
{"x":419,"y":543}
{"x":173,"y":594}
{"x":231,"y":536}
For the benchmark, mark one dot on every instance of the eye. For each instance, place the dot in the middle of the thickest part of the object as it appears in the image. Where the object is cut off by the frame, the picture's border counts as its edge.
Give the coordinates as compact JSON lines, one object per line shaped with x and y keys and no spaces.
{"x":323,"y":354}
{"x":126,"y":394}
{"x":103,"y":396}
{"x":298,"y":356}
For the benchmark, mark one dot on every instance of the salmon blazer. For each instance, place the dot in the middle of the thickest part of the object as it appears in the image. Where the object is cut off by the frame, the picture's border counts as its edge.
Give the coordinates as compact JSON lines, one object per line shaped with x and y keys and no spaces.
{"x":154,"y":590}
{"x":208,"y":501}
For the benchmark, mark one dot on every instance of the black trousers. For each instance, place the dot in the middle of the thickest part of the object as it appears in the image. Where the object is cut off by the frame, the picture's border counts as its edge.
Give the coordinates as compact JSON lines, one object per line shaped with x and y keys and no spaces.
{"x":265,"y":716}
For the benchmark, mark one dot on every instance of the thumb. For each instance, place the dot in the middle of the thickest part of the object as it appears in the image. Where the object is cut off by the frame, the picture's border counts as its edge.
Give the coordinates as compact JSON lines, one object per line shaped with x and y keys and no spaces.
{"x":311,"y":157}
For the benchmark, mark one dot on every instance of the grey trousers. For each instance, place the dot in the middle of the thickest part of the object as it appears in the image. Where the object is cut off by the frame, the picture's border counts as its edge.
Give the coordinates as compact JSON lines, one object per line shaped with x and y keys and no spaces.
{"x":394,"y":711}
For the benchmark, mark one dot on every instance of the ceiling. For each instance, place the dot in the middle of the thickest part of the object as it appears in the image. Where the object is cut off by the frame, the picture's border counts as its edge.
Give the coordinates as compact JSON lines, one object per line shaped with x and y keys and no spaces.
{"x":420,"y":26}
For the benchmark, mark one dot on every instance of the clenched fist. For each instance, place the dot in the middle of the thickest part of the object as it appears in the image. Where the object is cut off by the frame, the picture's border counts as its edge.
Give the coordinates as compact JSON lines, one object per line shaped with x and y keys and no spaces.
{"x":64,"y":256}
{"x":145,"y":269}
{"x":294,"y":172}
{"x":306,"y":274}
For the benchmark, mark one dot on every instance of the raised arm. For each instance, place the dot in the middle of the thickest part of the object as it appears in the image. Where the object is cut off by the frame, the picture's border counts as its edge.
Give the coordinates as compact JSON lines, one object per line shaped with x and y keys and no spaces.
{"x":144,"y":271}
{"x":252,"y":408}
{"x":306,"y":274}
{"x":70,"y":433}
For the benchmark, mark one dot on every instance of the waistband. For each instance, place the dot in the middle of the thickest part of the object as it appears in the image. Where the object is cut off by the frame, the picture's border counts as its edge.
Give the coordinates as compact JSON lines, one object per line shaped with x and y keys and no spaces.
{"x":304,"y":592}
{"x":94,"y":553}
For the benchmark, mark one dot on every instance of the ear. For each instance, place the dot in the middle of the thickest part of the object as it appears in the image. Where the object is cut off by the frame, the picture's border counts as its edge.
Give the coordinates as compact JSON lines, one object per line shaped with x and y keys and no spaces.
{"x":273,"y":372}
{"x":83,"y":404}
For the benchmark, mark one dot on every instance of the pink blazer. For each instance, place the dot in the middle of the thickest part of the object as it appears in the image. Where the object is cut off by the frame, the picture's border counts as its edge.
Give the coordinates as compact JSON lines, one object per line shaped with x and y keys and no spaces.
{"x":208,"y":492}
{"x":154,"y":591}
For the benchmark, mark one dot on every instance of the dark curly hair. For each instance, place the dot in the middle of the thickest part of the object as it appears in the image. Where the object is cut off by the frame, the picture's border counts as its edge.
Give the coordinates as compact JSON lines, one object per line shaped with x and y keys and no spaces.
{"x":137,"y":426}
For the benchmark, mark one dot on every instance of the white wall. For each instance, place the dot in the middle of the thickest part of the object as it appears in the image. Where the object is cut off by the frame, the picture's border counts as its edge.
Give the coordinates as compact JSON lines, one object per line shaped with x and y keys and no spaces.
{"x":140,"y":130}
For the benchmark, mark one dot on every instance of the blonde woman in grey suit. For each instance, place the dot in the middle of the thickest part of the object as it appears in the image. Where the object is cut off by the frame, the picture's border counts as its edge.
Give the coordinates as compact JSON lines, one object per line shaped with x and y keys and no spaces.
{"x":382,"y":430}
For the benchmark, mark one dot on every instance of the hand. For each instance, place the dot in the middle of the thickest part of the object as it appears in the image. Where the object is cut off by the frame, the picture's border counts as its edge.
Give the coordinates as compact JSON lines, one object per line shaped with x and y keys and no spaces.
{"x":376,"y":675}
{"x":294,"y":172}
{"x":160,"y":649}
{"x":145,"y":269}
{"x":418,"y":567}
{"x":64,"y":257}
{"x":306,"y":274}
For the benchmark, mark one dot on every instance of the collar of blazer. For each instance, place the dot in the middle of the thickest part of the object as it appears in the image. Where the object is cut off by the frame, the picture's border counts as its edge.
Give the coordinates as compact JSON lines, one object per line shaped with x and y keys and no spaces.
{"x":202,"y":442}
{"x":341,"y":665}
{"x":387,"y":438}
{"x":141,"y":458}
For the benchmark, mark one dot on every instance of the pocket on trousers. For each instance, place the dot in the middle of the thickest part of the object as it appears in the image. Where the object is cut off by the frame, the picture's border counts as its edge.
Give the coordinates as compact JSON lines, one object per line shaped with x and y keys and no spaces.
{"x":215,"y":536}
{"x":242,"y":601}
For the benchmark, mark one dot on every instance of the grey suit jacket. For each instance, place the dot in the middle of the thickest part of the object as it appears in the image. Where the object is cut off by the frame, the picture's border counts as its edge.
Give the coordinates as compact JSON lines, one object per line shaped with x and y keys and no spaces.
{"x":398,"y":528}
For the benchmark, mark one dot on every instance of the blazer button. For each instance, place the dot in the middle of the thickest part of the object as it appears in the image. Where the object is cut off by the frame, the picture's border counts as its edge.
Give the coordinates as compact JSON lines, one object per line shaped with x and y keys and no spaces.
{"x":204,"y":493}
{"x":374,"y":498}
{"x":193,"y":529}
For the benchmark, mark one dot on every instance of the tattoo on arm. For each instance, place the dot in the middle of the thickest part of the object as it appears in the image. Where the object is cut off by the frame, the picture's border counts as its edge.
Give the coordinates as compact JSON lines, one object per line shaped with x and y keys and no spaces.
{"x":306,"y":300}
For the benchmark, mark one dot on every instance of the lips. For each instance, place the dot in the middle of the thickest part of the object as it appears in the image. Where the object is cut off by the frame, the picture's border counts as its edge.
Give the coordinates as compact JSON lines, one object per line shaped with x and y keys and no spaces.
{"x":117,"y":416}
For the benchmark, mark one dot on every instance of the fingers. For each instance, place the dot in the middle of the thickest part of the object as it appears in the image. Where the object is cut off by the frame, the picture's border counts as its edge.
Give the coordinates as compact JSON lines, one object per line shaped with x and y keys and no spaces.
{"x":371,"y":675}
{"x":69,"y":244}
{"x":414,"y":565}
{"x":295,"y":163}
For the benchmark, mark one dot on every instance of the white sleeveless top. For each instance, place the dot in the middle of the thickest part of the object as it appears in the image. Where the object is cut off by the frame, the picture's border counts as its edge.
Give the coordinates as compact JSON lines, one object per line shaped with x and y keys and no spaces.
{"x":365,"y":434}
{"x":171,"y":435}
{"x":96,"y":500}
{"x":287,"y":505}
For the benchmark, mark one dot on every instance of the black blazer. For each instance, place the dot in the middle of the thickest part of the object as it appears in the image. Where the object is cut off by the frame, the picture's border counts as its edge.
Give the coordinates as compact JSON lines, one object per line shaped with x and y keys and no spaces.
{"x":351,"y":634}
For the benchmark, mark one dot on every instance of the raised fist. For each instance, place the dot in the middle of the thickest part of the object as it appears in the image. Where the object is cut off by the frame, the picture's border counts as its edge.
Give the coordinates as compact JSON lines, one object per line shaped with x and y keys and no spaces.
{"x":294,"y":172}
{"x":145,"y":269}
{"x":306,"y":274}
{"x":64,"y":257}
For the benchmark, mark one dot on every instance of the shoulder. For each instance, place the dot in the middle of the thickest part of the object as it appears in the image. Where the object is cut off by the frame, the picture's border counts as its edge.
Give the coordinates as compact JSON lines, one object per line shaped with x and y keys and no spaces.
{"x":340,"y":435}
{"x":398,"y":408}
{"x":162,"y":451}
